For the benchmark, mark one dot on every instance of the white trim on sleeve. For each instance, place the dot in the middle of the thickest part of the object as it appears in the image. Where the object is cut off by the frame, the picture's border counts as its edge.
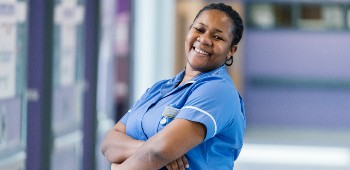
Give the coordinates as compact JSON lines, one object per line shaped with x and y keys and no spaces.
{"x":205,"y":112}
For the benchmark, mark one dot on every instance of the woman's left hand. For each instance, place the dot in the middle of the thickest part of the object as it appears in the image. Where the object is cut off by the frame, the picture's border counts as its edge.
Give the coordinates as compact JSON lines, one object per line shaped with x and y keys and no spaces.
{"x":178,"y":164}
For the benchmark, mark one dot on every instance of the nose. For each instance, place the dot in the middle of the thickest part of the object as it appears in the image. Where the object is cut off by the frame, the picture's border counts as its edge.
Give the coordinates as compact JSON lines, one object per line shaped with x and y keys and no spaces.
{"x":204,"y":39}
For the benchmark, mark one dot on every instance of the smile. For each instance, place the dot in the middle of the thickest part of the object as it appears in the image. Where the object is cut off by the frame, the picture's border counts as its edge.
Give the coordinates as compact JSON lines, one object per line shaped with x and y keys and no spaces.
{"x":200,"y":51}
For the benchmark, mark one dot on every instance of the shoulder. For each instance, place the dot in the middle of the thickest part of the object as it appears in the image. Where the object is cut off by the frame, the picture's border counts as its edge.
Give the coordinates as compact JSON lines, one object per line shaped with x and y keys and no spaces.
{"x":152,"y":90}
{"x":156,"y":86}
{"x":215,"y":84}
{"x":159,"y":84}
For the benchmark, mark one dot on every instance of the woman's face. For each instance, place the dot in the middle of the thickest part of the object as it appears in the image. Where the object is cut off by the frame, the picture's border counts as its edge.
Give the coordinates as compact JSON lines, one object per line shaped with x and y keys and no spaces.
{"x":208,"y":43}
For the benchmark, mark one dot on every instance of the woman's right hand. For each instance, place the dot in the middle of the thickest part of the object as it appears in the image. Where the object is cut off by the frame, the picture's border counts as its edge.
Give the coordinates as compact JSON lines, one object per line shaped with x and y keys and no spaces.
{"x":178,"y":164}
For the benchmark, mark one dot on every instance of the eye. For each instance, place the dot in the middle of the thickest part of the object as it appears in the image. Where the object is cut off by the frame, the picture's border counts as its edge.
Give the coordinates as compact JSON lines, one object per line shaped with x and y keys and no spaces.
{"x":201,"y":30}
{"x":218,"y":37}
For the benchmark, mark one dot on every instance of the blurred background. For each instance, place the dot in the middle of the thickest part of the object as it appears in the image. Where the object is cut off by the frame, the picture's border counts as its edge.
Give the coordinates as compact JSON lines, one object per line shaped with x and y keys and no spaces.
{"x":69,"y":69}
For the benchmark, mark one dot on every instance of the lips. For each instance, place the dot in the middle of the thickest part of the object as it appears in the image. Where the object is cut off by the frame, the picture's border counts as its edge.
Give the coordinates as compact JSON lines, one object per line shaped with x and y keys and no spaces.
{"x":201,"y":51}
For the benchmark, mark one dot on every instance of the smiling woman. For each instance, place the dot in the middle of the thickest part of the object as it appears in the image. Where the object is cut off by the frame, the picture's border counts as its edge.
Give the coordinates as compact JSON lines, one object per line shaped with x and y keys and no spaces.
{"x":195,"y":120}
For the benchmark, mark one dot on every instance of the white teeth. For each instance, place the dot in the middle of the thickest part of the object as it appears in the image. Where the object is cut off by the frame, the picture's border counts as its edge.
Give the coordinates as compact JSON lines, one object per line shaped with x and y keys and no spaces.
{"x":200,"y":51}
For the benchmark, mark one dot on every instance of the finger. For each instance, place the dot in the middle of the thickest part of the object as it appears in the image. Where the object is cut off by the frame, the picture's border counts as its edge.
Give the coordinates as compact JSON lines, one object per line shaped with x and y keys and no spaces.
{"x":185,"y":162}
{"x":113,"y":166}
{"x":168,"y":167}
{"x":180,"y":164}
{"x":174,"y":165}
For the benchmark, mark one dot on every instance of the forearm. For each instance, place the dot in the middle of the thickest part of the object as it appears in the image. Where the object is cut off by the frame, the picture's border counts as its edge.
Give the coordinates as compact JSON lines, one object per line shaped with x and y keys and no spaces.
{"x":167,"y":145}
{"x":152,"y":155}
{"x":118,"y":146}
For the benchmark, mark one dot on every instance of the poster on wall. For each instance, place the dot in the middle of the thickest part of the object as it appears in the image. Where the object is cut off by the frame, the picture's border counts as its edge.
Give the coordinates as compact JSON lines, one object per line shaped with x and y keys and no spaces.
{"x":68,"y":65}
{"x":13,"y":54}
{"x":67,"y":96}
{"x":11,"y":13}
{"x":68,"y":15}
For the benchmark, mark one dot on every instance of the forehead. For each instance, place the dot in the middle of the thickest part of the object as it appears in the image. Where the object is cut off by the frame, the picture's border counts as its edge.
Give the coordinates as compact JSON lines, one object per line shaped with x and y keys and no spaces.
{"x":215,"y":18}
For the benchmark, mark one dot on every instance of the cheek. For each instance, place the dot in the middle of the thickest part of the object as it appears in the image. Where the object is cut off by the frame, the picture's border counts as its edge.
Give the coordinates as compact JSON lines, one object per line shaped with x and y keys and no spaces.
{"x":187,"y":44}
{"x":222,"y":53}
{"x":224,"y":50}
{"x":187,"y":41}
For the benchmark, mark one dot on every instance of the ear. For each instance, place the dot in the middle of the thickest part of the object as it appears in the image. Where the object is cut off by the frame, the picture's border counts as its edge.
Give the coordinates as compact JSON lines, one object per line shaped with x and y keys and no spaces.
{"x":232,"y":51}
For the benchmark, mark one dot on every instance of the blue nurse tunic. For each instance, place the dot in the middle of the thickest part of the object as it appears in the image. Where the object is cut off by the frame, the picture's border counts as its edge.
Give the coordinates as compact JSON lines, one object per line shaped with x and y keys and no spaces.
{"x":211,"y":99}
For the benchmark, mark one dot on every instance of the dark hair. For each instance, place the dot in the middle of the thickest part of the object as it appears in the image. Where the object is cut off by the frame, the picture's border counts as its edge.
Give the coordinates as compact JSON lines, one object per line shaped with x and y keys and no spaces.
{"x":237,"y":28}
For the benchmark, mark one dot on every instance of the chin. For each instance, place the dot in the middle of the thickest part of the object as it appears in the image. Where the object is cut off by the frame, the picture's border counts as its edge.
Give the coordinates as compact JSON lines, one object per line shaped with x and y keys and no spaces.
{"x":197,"y":67}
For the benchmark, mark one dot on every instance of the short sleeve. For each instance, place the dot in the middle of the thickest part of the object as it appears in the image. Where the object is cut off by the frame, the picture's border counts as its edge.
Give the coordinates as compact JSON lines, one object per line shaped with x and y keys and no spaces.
{"x":124,"y":119}
{"x":213,"y":103}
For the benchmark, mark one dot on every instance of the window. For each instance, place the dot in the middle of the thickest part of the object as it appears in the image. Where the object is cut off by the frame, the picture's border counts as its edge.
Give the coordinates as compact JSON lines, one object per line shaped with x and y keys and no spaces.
{"x":283,"y":15}
{"x":303,"y":16}
{"x":320,"y":17}
{"x":348,"y":17}
{"x":261,"y":16}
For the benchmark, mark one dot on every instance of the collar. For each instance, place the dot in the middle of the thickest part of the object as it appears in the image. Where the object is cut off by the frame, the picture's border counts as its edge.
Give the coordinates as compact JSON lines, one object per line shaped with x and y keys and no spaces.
{"x":178,"y":78}
{"x":208,"y":73}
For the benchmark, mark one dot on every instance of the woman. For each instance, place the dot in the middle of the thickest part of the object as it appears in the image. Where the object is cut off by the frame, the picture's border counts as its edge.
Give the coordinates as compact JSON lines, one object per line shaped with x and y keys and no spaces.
{"x":196,"y":119}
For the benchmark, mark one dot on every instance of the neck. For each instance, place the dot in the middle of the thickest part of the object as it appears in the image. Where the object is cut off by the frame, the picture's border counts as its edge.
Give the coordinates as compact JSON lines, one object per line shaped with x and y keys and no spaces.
{"x":189,"y":74}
